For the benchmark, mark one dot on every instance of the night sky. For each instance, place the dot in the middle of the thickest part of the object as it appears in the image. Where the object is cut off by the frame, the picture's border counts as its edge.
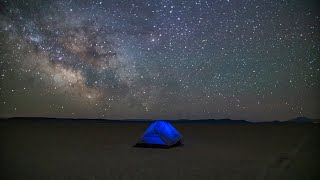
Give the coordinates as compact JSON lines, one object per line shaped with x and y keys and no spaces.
{"x":160,"y":59}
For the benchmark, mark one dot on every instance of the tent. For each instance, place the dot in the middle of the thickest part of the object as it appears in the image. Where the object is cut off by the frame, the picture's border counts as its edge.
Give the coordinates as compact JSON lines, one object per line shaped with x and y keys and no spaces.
{"x":160,"y":134}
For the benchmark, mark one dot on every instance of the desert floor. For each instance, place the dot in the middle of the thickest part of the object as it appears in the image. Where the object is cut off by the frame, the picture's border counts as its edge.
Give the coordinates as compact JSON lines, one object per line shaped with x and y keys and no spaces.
{"x":96,"y":150}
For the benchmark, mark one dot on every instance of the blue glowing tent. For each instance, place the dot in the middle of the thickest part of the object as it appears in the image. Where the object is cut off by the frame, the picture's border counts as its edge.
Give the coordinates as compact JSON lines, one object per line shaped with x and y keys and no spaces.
{"x":160,"y":134}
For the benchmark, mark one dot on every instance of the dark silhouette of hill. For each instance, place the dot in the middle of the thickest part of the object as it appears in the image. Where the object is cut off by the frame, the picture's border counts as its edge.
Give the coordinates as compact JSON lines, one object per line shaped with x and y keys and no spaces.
{"x":301,"y":120}
{"x":193,"y":121}
{"x":200,"y":121}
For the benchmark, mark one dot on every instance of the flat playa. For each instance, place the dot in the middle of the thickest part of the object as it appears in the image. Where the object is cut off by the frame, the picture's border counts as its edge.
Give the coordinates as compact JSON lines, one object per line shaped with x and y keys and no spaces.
{"x":97,"y":150}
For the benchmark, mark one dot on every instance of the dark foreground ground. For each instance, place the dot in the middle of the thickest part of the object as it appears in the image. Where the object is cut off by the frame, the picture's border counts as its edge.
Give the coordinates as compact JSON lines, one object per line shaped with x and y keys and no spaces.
{"x":95,"y":150}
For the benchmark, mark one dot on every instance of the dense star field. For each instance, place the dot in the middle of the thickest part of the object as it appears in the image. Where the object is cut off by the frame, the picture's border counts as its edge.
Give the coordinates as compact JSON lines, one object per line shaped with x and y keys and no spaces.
{"x":240,"y":59}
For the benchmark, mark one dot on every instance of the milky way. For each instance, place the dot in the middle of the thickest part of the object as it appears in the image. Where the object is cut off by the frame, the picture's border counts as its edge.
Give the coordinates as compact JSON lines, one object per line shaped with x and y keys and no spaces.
{"x":255,"y":60}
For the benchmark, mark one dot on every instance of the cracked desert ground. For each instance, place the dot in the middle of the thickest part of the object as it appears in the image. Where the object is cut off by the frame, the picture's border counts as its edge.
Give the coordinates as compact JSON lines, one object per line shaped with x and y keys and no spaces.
{"x":99,"y":150}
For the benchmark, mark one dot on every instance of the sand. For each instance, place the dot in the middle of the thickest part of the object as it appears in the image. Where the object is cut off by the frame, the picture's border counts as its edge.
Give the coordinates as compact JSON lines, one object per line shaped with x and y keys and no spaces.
{"x":95,"y":150}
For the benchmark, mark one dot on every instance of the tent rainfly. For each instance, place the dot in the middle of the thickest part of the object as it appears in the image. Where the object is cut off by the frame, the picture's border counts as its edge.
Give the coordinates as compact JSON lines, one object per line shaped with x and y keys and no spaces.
{"x":160,"y":134}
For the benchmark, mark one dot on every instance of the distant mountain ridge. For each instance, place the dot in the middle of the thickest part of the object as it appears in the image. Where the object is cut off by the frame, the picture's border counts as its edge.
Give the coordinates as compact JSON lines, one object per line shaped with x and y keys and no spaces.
{"x":199,"y":121}
{"x":215,"y":121}
{"x":301,"y":120}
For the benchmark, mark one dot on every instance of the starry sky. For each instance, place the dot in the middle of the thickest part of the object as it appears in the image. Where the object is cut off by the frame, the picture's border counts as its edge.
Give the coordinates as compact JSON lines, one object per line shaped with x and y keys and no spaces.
{"x":160,"y":59}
